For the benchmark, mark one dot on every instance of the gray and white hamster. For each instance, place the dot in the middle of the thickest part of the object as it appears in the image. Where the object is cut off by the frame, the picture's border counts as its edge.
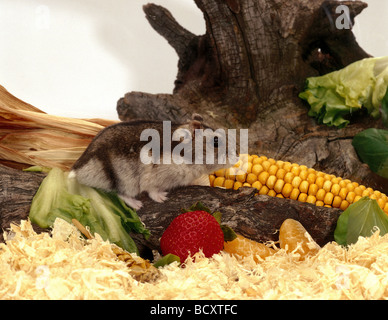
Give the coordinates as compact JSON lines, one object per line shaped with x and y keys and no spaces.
{"x":113,"y":162}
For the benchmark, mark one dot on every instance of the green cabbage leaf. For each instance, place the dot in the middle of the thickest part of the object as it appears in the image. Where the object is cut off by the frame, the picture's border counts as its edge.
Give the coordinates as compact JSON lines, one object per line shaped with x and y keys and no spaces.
{"x":335,"y":96}
{"x":104,"y":213}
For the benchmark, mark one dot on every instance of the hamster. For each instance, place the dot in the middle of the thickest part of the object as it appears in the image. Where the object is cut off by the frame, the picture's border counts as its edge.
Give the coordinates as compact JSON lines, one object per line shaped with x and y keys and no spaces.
{"x":120,"y":159}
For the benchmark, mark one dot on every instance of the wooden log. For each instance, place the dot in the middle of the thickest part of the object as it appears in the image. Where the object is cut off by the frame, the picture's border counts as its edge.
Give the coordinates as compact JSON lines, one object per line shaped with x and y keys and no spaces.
{"x":256,"y":217}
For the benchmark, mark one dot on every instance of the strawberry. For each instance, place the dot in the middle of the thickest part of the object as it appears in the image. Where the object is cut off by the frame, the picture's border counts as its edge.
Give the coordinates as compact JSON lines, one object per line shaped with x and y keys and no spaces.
{"x":191,"y":231}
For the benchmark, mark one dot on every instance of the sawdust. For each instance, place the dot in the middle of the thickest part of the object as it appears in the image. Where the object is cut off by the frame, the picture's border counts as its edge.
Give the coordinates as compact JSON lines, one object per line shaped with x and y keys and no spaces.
{"x":63,"y":265}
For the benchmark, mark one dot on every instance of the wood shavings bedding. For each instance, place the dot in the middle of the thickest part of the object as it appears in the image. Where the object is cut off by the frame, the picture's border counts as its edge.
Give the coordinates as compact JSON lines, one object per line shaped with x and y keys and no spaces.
{"x":65,"y":266}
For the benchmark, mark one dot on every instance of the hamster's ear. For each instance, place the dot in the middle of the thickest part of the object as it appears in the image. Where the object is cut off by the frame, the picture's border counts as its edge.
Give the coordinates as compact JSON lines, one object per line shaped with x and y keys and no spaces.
{"x":197,"y":117}
{"x":194,"y":124}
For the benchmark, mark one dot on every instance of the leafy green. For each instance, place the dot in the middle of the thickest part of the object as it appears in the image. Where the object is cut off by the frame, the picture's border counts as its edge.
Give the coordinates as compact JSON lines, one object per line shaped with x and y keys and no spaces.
{"x":371,"y":146}
{"x":360,"y":219}
{"x":167,"y":259}
{"x":384,"y":109}
{"x":336,"y":95}
{"x":104,"y":213}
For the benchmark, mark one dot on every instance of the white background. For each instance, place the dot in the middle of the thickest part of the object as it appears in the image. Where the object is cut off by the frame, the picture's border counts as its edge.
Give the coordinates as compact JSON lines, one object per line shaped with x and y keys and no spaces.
{"x":76,"y":58}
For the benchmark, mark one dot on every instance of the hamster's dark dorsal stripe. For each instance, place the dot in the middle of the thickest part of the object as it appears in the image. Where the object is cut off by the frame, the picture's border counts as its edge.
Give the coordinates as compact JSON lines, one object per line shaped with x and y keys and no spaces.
{"x":110,"y":172}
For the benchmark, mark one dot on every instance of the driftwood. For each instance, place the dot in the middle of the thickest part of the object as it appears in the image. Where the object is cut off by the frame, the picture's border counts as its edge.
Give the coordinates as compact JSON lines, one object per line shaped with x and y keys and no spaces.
{"x":256,"y":217}
{"x":247,"y":70}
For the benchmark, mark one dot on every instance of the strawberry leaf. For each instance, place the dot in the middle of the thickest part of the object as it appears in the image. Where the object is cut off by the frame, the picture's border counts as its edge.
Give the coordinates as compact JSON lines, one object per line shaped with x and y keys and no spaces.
{"x":196,"y":207}
{"x":228,"y":232}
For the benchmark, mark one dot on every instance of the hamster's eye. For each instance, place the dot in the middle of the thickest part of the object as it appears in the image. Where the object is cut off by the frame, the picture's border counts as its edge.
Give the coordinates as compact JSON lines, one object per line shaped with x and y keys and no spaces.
{"x":215,"y":142}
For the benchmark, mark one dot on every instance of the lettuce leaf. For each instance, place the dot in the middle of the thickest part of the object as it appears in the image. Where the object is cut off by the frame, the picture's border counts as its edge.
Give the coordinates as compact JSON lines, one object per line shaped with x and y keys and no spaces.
{"x":360,"y":219}
{"x":336,"y":95}
{"x":104,"y":213}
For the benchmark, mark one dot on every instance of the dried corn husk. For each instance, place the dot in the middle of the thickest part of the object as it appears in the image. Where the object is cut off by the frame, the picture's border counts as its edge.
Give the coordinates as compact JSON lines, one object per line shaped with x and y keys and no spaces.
{"x":29,"y":136}
{"x":141,"y":269}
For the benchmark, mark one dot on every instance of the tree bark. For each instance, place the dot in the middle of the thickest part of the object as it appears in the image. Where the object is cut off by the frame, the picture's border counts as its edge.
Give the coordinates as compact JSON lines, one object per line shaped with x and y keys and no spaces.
{"x":256,"y":217}
{"x":247,"y":70}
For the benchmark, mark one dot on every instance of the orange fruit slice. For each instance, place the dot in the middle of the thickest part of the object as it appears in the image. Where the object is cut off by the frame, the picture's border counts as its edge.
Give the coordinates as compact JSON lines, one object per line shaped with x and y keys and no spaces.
{"x":245,"y":247}
{"x":293,"y":236}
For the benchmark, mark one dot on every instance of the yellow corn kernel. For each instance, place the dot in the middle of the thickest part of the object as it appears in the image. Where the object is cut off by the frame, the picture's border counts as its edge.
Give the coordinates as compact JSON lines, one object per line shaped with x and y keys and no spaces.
{"x":336,"y":180}
{"x":336,"y":202}
{"x":335,"y":189}
{"x":272,"y":161}
{"x":279,"y":185}
{"x":219,"y":182}
{"x":302,"y":197}
{"x":313,"y":189}
{"x":311,"y":178}
{"x":303,"y":167}
{"x":294,"y":194}
{"x":319,"y":203}
{"x":319,"y":181}
{"x":320,"y":194}
{"x":246,"y":184}
{"x":220,"y":173}
{"x":344,"y":205}
{"x":327,"y":185}
{"x":288,"y":177}
{"x":264,"y":190}
{"x":273,"y":169}
{"x":257,"y":169}
{"x":304,"y":186}
{"x":281,"y":173}
{"x":241,"y":176}
{"x":303,"y":174}
{"x":328,"y":198}
{"x":287,"y":190}
{"x":370,"y":190}
{"x":230,"y":173}
{"x":280,"y":164}
{"x":211,"y":179}
{"x":257,"y":185}
{"x":343,"y":192}
{"x":247,"y":167}
{"x":311,"y":199}
{"x":266,"y":164}
{"x":271,"y":182}
{"x":350,"y":186}
{"x":251,"y":178}
{"x":263,"y":176}
{"x":279,"y":195}
{"x":228,"y":184}
{"x":381,"y":202}
{"x":350,"y":197}
{"x":271,"y":193}
{"x":365,"y":193}
{"x":356,"y":198}
{"x":237,"y":185}
{"x":295,"y":170}
{"x":287,"y":166}
{"x":257,"y":161}
{"x":296,"y":182}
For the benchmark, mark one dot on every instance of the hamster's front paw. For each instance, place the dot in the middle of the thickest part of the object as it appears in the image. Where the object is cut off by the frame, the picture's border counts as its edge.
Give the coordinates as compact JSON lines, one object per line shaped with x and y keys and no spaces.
{"x":132,"y":202}
{"x":158,"y":196}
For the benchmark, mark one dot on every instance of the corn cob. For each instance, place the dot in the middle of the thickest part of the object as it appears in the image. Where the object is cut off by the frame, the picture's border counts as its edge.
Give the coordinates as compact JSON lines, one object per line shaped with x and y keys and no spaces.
{"x":293,"y":181}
